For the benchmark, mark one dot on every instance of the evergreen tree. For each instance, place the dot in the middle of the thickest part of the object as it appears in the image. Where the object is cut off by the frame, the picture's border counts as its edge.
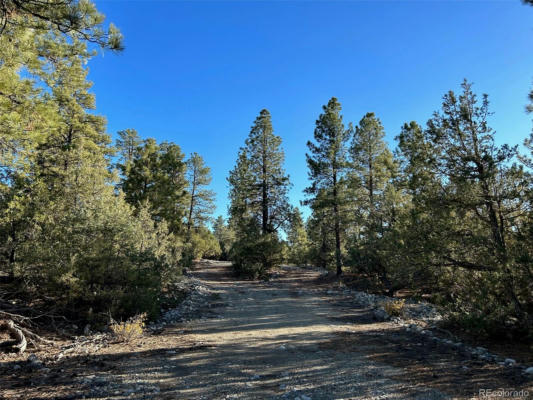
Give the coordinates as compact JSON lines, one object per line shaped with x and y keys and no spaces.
{"x":327,"y":164}
{"x":225,"y":236}
{"x":258,"y":184}
{"x":374,"y":195}
{"x":269,"y":184}
{"x":170,"y":200}
{"x":297,"y":238}
{"x":416,"y":157}
{"x":79,"y":20}
{"x":372,"y":165}
{"x":69,"y":238}
{"x":528,"y":143}
{"x":477,"y":213}
{"x":321,"y":235}
{"x":156,"y":177}
{"x":201,"y":201}
{"x":417,"y":160}
{"x":258,"y":198}
{"x":127,"y":143}
{"x":240,"y":182}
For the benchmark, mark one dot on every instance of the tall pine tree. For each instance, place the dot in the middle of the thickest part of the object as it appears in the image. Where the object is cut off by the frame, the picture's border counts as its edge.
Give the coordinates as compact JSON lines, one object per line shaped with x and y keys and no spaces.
{"x":258,"y":195}
{"x":327,"y":162}
{"x":201,"y":201}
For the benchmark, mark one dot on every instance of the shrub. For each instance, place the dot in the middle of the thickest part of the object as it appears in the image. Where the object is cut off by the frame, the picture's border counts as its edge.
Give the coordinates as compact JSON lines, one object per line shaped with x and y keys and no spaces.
{"x":255,"y":254}
{"x":201,"y":244}
{"x":98,"y":258}
{"x":394,"y":307}
{"x":128,"y":330}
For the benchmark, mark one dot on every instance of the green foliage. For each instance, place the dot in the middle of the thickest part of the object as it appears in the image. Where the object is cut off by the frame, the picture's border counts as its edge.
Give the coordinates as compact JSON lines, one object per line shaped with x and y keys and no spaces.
{"x":327,"y":163}
{"x":297,"y":241}
{"x":258,"y":200}
{"x":202,"y":243}
{"x":77,"y":19}
{"x":256,"y":253}
{"x":156,"y":176}
{"x":127,"y":144}
{"x":321,"y":237}
{"x":68,"y":235}
{"x":224,"y":235}
{"x":449,"y":213}
{"x":201,"y":201}
{"x":376,"y":199}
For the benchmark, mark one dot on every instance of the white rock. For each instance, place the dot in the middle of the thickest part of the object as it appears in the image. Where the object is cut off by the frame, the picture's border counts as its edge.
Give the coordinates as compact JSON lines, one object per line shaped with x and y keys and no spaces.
{"x":304,"y":397}
{"x":529,"y":371}
{"x":509,"y":361}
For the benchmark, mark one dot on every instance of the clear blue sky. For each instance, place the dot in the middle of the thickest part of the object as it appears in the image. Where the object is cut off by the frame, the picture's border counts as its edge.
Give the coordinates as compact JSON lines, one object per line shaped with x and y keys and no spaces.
{"x":197,"y":73}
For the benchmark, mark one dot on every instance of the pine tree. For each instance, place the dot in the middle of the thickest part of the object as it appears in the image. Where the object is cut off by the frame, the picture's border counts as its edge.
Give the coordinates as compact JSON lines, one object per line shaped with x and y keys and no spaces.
{"x":258,"y":184}
{"x":127,"y":143}
{"x":269,"y":183}
{"x":79,"y":20}
{"x":374,"y":196}
{"x":170,"y":202}
{"x":417,"y":160}
{"x":297,"y":238}
{"x":477,"y":213}
{"x":372,"y":164}
{"x":68,"y":236}
{"x":201,"y":201}
{"x":157,"y":177}
{"x":258,"y":198}
{"x":528,"y":143}
{"x":327,"y":164}
{"x":321,"y":235}
{"x":240,"y":182}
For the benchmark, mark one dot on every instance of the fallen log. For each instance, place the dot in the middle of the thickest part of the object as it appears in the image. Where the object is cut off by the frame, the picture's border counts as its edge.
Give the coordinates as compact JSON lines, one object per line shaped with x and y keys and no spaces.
{"x":36,"y":338}
{"x":19,"y":342}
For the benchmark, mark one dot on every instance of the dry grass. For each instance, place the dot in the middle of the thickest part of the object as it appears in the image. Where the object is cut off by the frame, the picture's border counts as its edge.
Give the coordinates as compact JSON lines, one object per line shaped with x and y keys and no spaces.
{"x":394,"y":307}
{"x":130,"y":329}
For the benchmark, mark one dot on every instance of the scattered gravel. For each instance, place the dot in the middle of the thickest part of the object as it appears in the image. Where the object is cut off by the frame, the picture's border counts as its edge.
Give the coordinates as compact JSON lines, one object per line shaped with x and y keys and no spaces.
{"x":415,"y":316}
{"x":197,"y":297}
{"x":279,"y":341}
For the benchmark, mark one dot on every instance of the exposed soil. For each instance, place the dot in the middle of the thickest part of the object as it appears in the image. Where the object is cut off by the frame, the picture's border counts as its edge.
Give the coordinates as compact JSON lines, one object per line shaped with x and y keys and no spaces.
{"x":283,"y":339}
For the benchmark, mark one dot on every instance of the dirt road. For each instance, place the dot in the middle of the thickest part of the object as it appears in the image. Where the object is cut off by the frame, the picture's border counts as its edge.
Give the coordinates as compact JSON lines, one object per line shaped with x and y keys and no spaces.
{"x":283,"y":339}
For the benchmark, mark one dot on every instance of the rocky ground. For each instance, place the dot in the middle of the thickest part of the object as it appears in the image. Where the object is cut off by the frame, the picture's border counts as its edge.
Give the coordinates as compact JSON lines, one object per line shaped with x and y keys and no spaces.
{"x":292,"y":337}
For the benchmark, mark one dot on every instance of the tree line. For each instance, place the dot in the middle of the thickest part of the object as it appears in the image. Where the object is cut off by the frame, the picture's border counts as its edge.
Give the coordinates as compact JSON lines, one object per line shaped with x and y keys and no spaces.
{"x":87,"y":228}
{"x":447,"y":213}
